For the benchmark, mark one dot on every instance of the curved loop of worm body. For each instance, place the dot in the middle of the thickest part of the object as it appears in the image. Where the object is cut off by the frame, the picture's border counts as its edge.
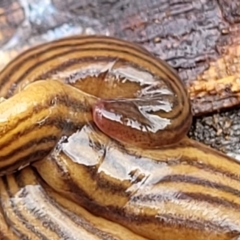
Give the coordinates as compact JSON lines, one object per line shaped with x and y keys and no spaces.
{"x":129,"y":94}
{"x":145,"y":175}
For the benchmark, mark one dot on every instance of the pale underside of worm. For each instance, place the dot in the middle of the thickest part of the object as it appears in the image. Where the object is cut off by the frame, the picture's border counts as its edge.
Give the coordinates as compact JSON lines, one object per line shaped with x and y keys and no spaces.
{"x":102,"y":128}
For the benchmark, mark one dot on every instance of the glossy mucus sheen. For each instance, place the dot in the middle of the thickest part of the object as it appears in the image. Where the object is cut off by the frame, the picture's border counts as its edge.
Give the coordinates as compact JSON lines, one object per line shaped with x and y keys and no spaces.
{"x":184,"y":192}
{"x":153,"y":113}
{"x":33,"y":120}
{"x":152,"y":94}
{"x":101,"y":165}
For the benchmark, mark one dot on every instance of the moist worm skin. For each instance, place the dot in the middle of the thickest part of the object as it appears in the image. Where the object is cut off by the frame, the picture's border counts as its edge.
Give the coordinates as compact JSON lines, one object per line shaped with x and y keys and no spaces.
{"x":33,"y":120}
{"x":78,"y":58}
{"x":186,"y":191}
{"x":35,"y":211}
{"x":183,"y":190}
{"x":42,"y":107}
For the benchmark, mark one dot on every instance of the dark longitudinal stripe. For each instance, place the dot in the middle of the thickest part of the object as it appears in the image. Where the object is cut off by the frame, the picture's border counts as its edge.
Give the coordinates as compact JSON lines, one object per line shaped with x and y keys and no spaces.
{"x":216,"y":201}
{"x":47,"y":138}
{"x":200,"y":182}
{"x":22,"y":161}
{"x":67,"y":179}
{"x":116,"y":189}
{"x":74,"y":61}
{"x":188,"y":196}
{"x":68,"y":42}
{"x":47,"y":223}
{"x":71,"y":62}
{"x":201,"y":165}
{"x":79,"y":221}
{"x":102,"y":183}
{"x":19,"y":215}
{"x":50,"y":224}
{"x":145,"y":57}
{"x":60,"y":123}
{"x":51,"y":47}
{"x":108,"y":186}
{"x":162,"y":220}
{"x":29,"y":144}
{"x":91,"y":52}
